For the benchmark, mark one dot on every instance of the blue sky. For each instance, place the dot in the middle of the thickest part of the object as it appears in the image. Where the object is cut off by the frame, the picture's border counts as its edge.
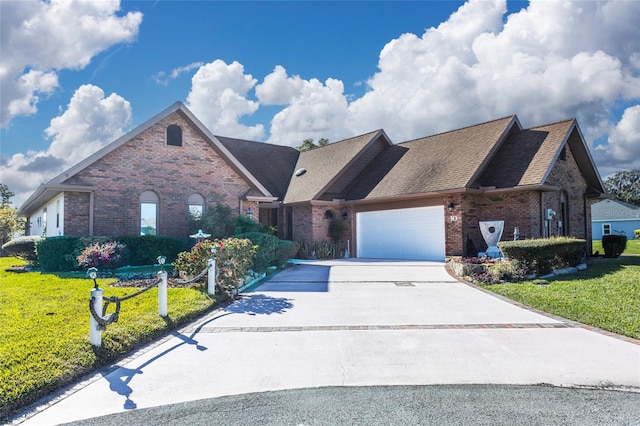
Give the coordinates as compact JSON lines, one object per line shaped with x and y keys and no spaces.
{"x":77,"y":75}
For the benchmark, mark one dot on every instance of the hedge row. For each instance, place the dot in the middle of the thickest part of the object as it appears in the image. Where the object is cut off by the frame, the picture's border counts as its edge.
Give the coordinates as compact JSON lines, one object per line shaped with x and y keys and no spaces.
{"x":271,"y":251}
{"x":540,"y":256}
{"x":59,"y":253}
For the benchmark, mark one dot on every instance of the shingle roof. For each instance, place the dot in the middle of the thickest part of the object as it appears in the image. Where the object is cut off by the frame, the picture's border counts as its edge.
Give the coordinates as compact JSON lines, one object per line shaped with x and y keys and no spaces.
{"x":323,"y":165}
{"x":272,"y":165}
{"x":442,"y":162}
{"x":525,"y":157}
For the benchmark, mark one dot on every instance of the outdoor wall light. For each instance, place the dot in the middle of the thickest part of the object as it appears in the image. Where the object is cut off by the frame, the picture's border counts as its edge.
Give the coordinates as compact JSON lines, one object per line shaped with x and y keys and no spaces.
{"x":93,"y":274}
{"x":450,"y":207}
{"x":345,"y":214}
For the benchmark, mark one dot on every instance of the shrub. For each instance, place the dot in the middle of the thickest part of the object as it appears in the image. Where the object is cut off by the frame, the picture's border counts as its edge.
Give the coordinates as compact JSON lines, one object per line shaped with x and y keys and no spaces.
{"x":336,"y":228}
{"x":286,"y":250}
{"x":614,"y":245}
{"x":108,"y":255}
{"x":266,"y":251}
{"x":234,"y":257}
{"x":219,"y":222}
{"x":22,"y":247}
{"x":318,"y":250}
{"x":57,"y":254}
{"x":636,"y":233}
{"x":540,"y":256}
{"x":145,"y":249}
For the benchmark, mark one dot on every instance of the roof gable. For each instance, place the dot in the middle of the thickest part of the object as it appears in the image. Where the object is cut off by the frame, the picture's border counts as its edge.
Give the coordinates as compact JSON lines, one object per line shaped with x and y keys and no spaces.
{"x":443,"y":162}
{"x":177,"y":107}
{"x":526,"y":158}
{"x":325,"y":165}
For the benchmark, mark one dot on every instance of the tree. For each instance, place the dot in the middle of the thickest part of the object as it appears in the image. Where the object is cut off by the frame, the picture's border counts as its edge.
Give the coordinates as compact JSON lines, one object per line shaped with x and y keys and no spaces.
{"x":9,"y":223}
{"x":625,"y":186}
{"x":5,"y":195}
{"x":309,"y":144}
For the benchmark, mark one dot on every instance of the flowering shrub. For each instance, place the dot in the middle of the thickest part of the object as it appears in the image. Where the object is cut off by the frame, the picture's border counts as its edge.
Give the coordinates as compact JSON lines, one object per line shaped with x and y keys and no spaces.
{"x":234,"y":257}
{"x":107,"y":255}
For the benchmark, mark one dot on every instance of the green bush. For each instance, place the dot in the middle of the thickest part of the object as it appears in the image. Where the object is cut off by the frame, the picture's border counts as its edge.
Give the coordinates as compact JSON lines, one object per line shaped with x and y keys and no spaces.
{"x":286,"y":250}
{"x":540,"y":256}
{"x":614,"y":245}
{"x":56,"y":254}
{"x":266,"y":250}
{"x":234,"y":257}
{"x":145,"y":249}
{"x":636,"y":233}
{"x":22,"y":247}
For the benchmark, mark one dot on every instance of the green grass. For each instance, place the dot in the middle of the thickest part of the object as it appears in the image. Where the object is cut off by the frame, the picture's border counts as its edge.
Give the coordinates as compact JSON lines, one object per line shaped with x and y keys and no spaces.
{"x":633,"y":247}
{"x":44,"y":329}
{"x":606,"y":295}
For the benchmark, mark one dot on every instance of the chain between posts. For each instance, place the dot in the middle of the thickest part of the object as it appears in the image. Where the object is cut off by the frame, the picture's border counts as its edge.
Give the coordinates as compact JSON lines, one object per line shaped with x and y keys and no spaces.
{"x":103,"y":320}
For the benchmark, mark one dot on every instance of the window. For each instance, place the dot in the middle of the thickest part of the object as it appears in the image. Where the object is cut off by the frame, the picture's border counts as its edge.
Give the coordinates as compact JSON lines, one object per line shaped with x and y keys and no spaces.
{"x":196,"y":206}
{"x":58,"y":214}
{"x":148,"y":213}
{"x":174,"y":135}
{"x":563,"y":224}
{"x":606,"y":229}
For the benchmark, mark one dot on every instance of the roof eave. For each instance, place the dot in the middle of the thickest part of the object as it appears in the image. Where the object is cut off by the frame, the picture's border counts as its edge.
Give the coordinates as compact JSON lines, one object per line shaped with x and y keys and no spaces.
{"x":46,"y":192}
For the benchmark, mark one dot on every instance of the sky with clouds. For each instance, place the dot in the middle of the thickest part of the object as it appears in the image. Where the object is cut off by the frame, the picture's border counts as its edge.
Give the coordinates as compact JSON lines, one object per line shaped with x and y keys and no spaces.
{"x":76,"y":75}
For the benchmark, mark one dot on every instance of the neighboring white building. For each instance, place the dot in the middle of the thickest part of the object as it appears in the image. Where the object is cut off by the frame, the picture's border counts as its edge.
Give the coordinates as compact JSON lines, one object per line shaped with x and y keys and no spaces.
{"x":614,"y":217}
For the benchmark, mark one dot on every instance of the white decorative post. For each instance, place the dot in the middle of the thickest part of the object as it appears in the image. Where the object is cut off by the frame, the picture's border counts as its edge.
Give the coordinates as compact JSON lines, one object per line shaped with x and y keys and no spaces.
{"x":211,"y":273}
{"x":95,"y":333}
{"x":162,"y":288}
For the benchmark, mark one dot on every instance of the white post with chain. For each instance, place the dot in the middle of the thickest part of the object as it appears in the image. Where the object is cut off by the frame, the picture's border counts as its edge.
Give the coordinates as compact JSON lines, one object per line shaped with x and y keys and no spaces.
{"x":211,"y":274}
{"x":95,"y":332}
{"x":162,"y":294}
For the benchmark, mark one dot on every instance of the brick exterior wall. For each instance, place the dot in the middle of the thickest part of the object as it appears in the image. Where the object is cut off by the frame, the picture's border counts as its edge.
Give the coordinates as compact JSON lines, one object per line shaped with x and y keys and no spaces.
{"x":147,"y":163}
{"x":76,"y":213}
{"x":523,"y":209}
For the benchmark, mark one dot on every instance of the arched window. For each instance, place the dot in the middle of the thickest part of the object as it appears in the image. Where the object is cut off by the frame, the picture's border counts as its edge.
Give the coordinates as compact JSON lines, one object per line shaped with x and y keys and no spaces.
{"x":329,"y":214}
{"x":196,"y":206}
{"x":174,"y":135}
{"x":149,"y":213}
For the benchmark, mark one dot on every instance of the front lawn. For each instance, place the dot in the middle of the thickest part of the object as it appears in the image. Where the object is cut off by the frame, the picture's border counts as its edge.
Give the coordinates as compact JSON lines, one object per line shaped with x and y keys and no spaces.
{"x":44,"y":329}
{"x":606,"y":295}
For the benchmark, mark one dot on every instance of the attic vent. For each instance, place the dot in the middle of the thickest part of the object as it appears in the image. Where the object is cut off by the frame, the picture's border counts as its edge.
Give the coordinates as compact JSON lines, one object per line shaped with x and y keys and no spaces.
{"x":300,"y":172}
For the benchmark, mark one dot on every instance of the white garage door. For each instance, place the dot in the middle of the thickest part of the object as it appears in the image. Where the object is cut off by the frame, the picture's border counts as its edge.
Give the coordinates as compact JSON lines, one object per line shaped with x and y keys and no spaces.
{"x":411,"y":234}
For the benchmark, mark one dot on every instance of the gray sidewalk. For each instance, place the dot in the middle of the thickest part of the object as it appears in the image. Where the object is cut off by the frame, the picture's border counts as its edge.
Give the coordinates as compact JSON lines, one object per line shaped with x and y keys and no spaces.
{"x":354,"y":324}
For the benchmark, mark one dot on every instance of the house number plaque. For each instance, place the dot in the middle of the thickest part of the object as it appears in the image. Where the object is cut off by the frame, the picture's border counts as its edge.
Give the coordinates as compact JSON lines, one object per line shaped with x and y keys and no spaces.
{"x":453,"y":218}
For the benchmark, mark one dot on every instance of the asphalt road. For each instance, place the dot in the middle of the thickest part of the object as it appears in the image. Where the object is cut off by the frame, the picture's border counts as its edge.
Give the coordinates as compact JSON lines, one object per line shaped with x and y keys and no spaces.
{"x":397,"y":405}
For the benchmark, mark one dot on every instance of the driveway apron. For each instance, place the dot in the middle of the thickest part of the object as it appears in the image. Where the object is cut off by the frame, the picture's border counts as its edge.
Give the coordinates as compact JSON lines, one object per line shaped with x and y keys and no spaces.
{"x":354,"y":323}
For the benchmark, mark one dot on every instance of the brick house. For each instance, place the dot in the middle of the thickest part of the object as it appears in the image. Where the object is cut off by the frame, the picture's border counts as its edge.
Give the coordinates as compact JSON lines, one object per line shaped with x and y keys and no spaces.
{"x":420,"y":199}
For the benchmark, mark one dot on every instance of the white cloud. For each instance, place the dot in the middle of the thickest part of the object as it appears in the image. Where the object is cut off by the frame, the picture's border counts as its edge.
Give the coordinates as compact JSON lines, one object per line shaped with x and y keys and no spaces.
{"x":314,"y":110}
{"x":90,"y":121}
{"x":218,"y":97}
{"x":163,"y":78}
{"x":278,"y":88}
{"x":38,"y":38}
{"x":623,"y":149}
{"x":545,"y":63}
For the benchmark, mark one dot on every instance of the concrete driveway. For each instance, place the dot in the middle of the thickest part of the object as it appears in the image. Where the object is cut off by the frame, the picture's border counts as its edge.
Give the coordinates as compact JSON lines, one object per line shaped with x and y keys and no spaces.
{"x":354,"y":323}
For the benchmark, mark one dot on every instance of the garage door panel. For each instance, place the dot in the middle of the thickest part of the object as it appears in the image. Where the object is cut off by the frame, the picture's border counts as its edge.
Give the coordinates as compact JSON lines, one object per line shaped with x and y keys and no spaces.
{"x":413,"y":234}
